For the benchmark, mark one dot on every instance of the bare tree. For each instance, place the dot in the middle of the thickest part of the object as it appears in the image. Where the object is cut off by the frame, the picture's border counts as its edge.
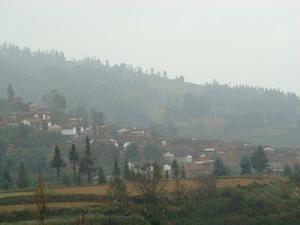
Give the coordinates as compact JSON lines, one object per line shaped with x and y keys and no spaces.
{"x":81,"y":220}
{"x":40,"y":200}
{"x":118,"y":192}
{"x":148,"y":183}
{"x":179,"y":190}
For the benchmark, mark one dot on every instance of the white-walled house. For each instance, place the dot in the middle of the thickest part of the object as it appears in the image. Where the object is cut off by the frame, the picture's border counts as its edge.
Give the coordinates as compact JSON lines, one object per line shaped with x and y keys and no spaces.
{"x":69,"y":132}
{"x":169,"y":157}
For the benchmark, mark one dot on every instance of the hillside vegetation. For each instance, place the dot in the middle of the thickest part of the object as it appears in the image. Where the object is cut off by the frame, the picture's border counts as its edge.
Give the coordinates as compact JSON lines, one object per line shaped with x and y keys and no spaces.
{"x":130,"y":95}
{"x":274,"y":202}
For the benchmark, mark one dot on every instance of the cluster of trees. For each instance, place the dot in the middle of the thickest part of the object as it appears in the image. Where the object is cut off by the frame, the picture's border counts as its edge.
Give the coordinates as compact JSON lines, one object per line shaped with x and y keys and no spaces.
{"x":129,"y":94}
{"x":242,"y":107}
{"x":84,"y":165}
{"x":292,"y":173}
{"x":54,"y":101}
{"x":12,"y":103}
{"x":21,"y":180}
{"x":258,"y":162}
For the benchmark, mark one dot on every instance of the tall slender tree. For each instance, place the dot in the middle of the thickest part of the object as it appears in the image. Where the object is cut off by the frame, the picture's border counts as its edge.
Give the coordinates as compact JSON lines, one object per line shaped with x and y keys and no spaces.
{"x":259,"y":159}
{"x":167,"y":176}
{"x":101,"y":176}
{"x":183,"y":173}
{"x":22,"y":177}
{"x":245,"y":166}
{"x":116,"y":171}
{"x":157,"y":171}
{"x":10,"y":92}
{"x":74,"y":159}
{"x":87,"y":162}
{"x":57,"y":162}
{"x":126,"y":170}
{"x":219,"y":167}
{"x":175,"y":169}
{"x":40,"y":200}
{"x":7,"y":180}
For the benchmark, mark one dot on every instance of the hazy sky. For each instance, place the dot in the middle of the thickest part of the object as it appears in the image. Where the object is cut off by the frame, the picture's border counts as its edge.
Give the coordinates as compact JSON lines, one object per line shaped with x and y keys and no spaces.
{"x":255,"y":42}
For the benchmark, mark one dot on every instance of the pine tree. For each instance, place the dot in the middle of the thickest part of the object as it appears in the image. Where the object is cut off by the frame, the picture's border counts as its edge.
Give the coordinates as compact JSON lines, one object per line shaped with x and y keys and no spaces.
{"x":126,"y":170}
{"x":219,"y":168}
{"x":259,"y":159}
{"x":175,"y":169}
{"x":7,"y":180}
{"x":157,"y":171}
{"x":116,"y":171}
{"x":10,"y":92}
{"x":78,"y":178}
{"x":287,"y":172}
{"x":101,"y":176}
{"x":22,"y":177}
{"x":57,"y":162}
{"x":2,"y":154}
{"x":87,"y":162}
{"x":183,"y":173}
{"x":167,"y":174}
{"x":74,"y":158}
{"x":245,"y":166}
{"x":296,"y":174}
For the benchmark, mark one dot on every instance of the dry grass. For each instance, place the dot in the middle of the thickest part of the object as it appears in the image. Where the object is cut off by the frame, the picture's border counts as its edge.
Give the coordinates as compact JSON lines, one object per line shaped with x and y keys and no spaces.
{"x":52,"y":205}
{"x":169,"y":185}
{"x":15,"y":194}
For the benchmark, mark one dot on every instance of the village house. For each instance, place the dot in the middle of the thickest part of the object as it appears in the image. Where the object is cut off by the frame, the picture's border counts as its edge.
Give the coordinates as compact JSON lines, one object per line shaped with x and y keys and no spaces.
{"x":269,"y":148}
{"x":55,"y":129}
{"x":184,"y":160}
{"x":134,"y":134}
{"x":103,"y":131}
{"x":169,"y":157}
{"x":275,"y":167}
{"x":70,"y":132}
{"x":199,"y":168}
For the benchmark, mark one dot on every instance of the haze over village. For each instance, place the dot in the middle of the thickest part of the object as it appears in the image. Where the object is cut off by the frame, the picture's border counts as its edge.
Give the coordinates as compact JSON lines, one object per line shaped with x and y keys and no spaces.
{"x":127,"y":112}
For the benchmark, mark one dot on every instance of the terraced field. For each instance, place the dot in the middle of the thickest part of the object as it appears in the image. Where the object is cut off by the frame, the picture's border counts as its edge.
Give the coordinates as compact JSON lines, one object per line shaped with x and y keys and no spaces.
{"x":86,"y":198}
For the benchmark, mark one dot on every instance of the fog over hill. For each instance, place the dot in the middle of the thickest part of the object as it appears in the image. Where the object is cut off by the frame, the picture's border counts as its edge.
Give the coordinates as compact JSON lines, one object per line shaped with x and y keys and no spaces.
{"x":130,"y":96}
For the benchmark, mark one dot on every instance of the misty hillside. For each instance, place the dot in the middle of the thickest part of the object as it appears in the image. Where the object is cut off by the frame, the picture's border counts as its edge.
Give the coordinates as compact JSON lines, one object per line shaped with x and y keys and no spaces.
{"x":129,"y":95}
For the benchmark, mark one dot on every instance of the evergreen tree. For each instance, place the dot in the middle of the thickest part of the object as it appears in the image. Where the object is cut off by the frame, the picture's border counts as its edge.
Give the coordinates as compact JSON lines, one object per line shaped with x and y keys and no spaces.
{"x":219,"y":168}
{"x":2,"y":154}
{"x":87,"y":162}
{"x":79,"y":178}
{"x":259,"y":159}
{"x":132,"y":151}
{"x":74,"y":159}
{"x":167,"y":176}
{"x":101,"y":176}
{"x":126,"y":170}
{"x":296,"y":175}
{"x":22,"y":177}
{"x":245,"y":166}
{"x":287,"y":172}
{"x":175,"y":169}
{"x":10,"y":92}
{"x":183,"y":173}
{"x":7,"y":180}
{"x":116,"y":171}
{"x":57,"y":162}
{"x":157,"y":171}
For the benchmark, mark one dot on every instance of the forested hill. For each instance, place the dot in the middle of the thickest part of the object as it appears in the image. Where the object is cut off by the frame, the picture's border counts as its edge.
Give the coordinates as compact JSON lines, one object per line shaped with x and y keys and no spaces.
{"x":129,"y":95}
